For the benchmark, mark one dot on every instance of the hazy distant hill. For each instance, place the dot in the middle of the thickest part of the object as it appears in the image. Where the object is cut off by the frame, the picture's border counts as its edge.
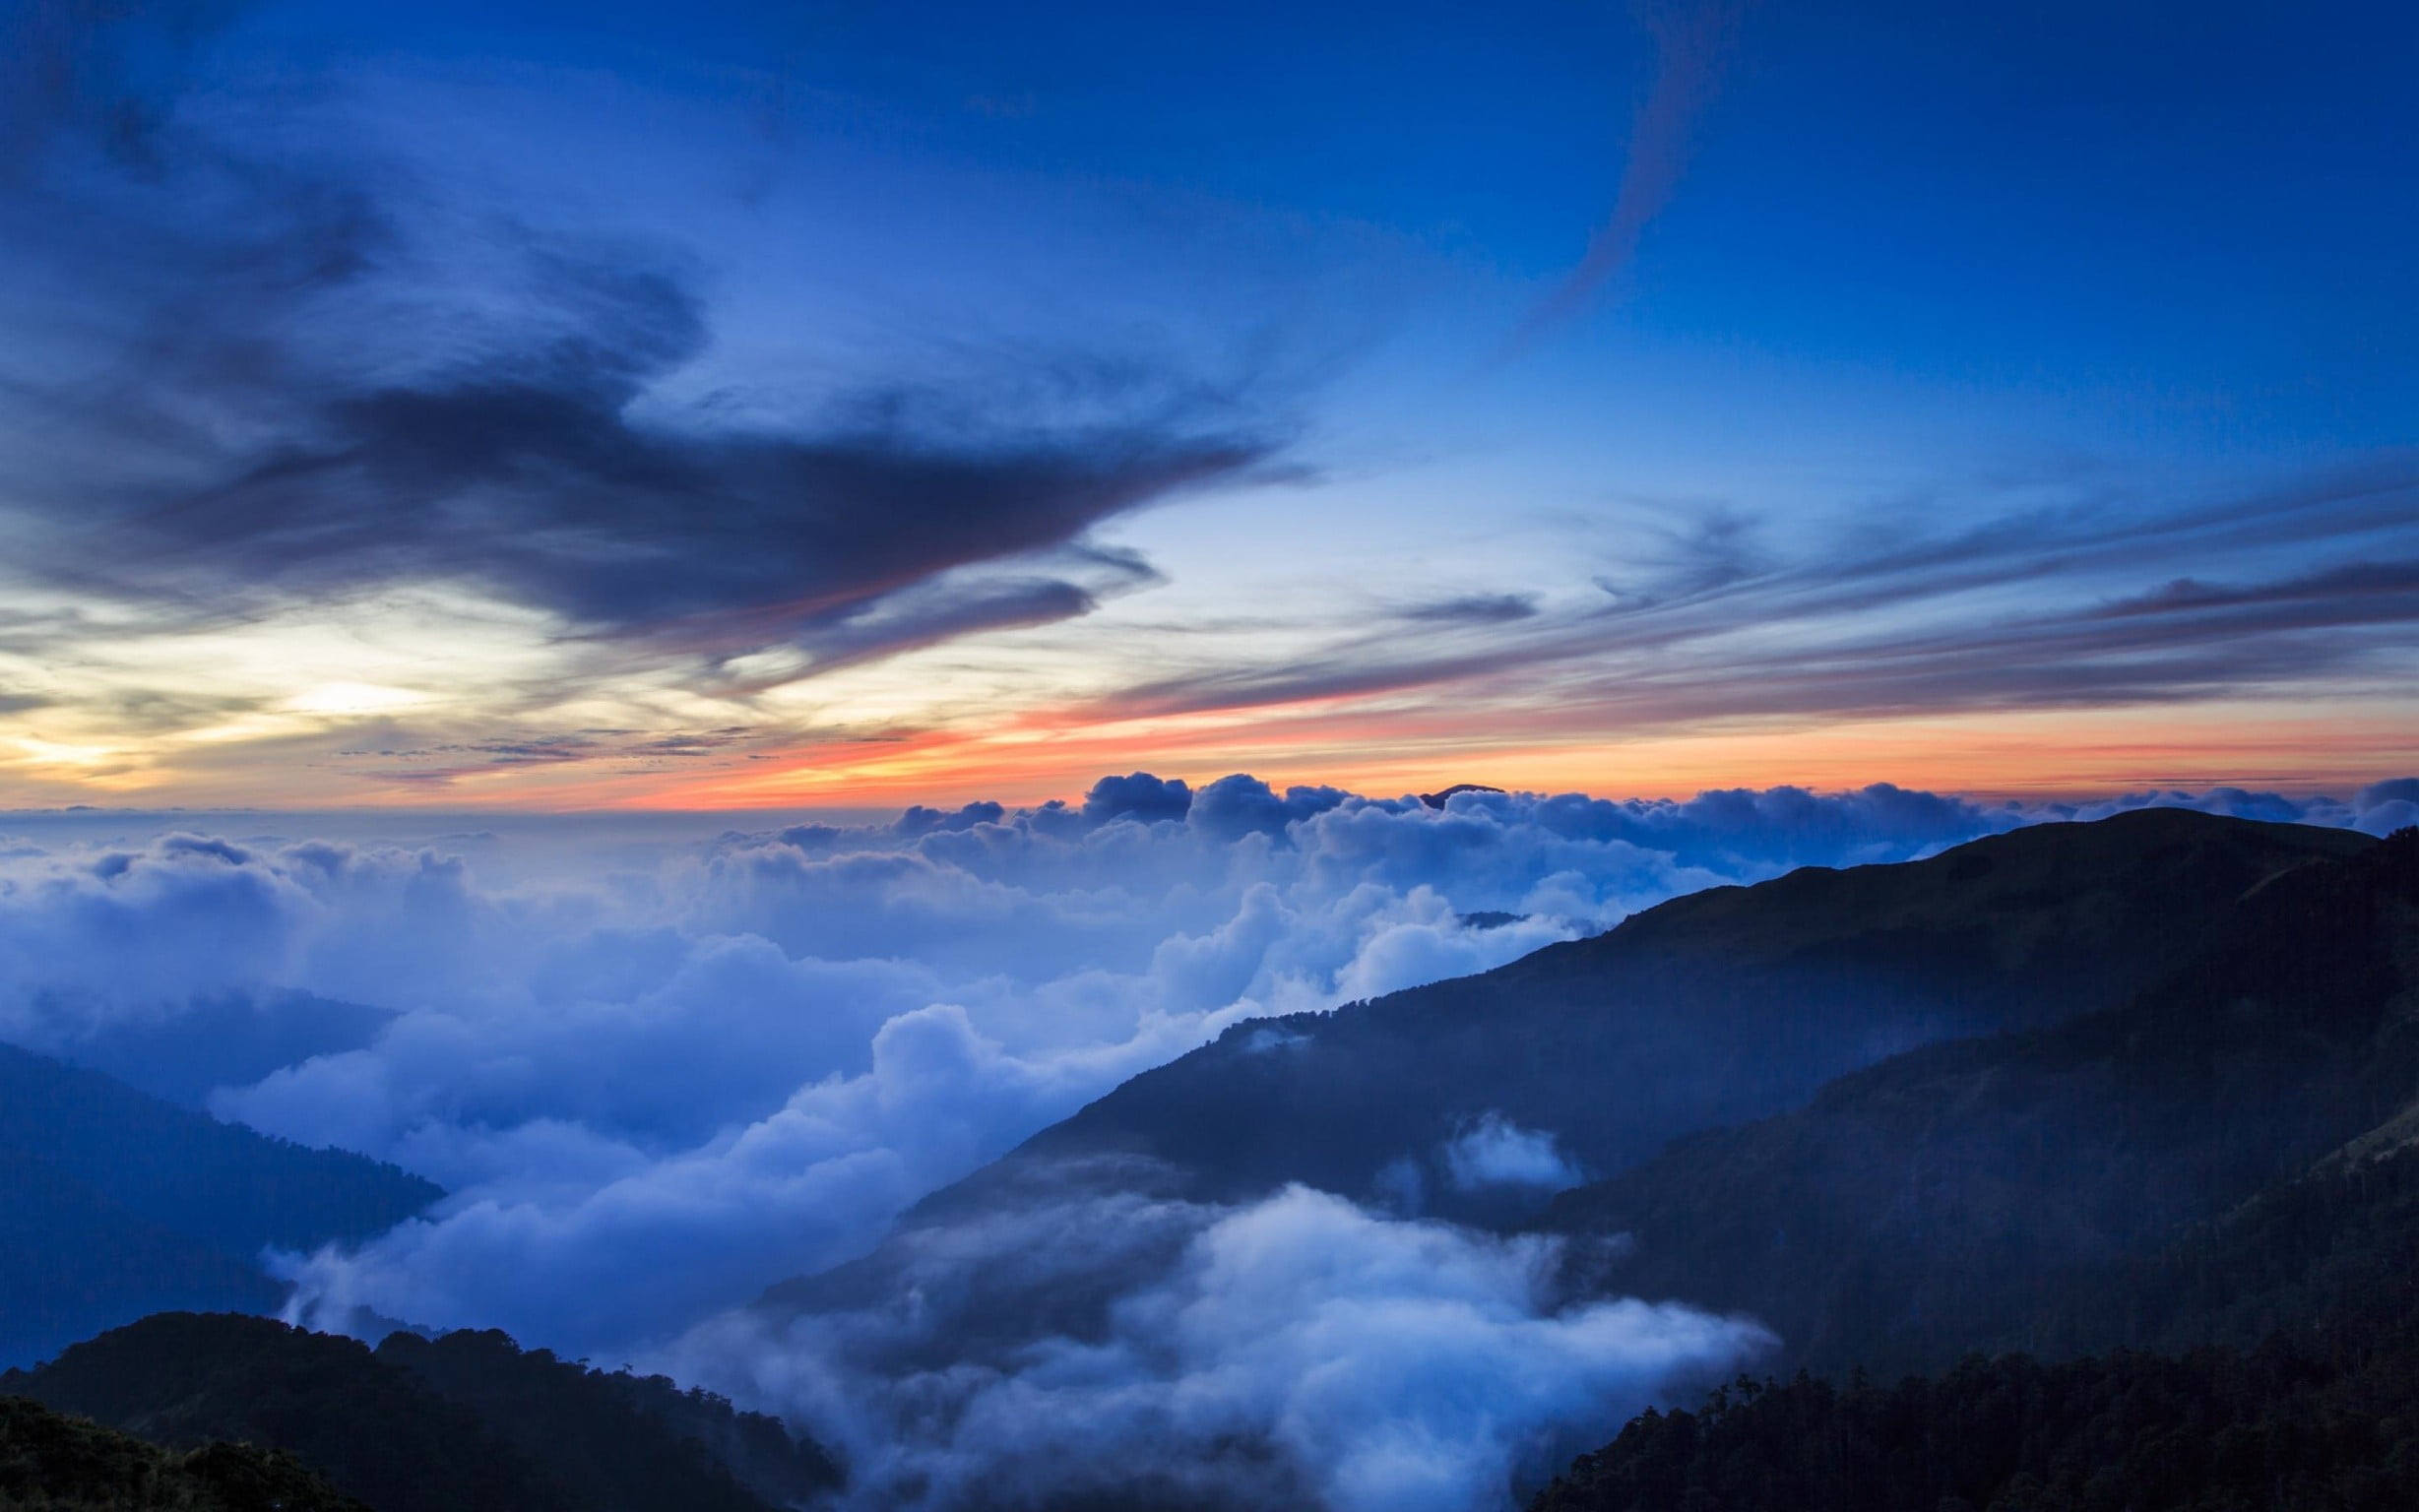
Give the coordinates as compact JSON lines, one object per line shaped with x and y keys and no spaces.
{"x":462,"y":1423}
{"x":224,"y":1040}
{"x":114,"y":1204}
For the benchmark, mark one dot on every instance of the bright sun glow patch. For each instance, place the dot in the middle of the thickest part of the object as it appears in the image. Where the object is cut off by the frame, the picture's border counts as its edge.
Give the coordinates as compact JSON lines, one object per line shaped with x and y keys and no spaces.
{"x":349,"y":699}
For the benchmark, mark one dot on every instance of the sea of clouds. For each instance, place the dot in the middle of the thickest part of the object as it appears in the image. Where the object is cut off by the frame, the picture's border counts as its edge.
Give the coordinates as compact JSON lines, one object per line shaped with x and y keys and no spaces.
{"x":659,"y":1068}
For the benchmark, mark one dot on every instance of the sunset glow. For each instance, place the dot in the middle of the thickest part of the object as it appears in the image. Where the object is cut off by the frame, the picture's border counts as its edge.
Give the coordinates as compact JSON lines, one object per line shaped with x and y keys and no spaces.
{"x":470,"y":431}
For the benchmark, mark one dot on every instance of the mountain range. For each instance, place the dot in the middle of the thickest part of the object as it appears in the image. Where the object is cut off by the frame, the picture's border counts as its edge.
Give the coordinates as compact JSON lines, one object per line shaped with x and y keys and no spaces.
{"x":1715,"y":1009}
{"x":2075,"y":1168}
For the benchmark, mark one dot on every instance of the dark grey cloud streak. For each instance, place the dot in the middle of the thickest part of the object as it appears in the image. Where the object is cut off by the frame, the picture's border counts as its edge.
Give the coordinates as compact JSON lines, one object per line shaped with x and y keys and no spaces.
{"x":271,"y":375}
{"x":527,"y":472}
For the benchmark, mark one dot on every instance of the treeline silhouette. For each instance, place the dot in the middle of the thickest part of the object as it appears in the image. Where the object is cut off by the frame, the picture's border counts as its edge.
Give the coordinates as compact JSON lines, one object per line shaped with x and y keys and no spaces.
{"x":2321,"y":1416}
{"x":2286,"y":1427}
{"x":53,"y":1462}
{"x":466,"y":1422}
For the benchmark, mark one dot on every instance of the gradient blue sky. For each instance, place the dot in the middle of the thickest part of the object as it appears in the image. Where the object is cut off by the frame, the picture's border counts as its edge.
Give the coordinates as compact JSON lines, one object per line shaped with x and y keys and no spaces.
{"x":719,"y":405}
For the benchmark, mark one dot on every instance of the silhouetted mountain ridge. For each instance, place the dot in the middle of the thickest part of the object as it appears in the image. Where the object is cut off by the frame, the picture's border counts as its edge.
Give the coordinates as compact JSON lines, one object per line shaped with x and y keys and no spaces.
{"x":1715,"y":1008}
{"x":1940,"y":1200}
{"x":2298,"y":1317}
{"x":2224,"y":1166}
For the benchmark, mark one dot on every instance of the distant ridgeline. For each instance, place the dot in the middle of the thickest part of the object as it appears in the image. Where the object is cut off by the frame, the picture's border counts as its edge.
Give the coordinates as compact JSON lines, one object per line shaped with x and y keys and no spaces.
{"x":114,"y":1204}
{"x":1714,"y":1009}
{"x":466,"y":1422}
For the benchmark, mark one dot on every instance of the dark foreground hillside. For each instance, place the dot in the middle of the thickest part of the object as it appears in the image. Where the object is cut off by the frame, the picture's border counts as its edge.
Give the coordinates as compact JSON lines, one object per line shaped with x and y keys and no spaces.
{"x":2281,"y":1430}
{"x":114,"y":1204}
{"x":2322,"y":1416}
{"x":1980,"y":1194}
{"x":462,"y":1423}
{"x":2285,"y":1323}
{"x":53,"y":1462}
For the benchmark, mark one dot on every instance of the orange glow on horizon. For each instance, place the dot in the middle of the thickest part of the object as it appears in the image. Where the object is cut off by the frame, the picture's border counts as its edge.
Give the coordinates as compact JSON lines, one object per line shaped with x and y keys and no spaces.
{"x":1386,"y":748}
{"x":2049,"y":753}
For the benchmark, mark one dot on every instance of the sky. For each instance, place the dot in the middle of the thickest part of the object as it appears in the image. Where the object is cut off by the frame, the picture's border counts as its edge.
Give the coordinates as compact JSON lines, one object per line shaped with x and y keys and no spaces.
{"x":545,"y":408}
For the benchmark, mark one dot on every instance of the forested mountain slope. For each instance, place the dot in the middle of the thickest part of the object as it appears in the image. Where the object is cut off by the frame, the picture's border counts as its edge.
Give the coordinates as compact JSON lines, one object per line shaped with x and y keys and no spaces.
{"x":1946,"y":1198}
{"x":50,"y":1462}
{"x":461,"y":1423}
{"x":1715,"y":1008}
{"x":2097,"y":1188}
{"x":114,"y":1204}
{"x":2299,"y":1390}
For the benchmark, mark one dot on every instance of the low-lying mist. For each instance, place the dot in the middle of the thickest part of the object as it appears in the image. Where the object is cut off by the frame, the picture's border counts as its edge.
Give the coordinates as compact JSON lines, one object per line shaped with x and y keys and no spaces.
{"x":1298,"y":1351}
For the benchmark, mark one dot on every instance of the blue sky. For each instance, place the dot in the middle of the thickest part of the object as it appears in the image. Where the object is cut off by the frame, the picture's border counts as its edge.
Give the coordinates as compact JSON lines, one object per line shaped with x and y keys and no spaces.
{"x":1027,"y":390}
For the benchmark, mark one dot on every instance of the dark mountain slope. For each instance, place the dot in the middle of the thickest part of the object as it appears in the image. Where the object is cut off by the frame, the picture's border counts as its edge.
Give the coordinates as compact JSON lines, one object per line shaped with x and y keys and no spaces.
{"x":1714,"y":1008}
{"x":2332,"y":1252}
{"x":615,"y":1439}
{"x":1968,"y":1194}
{"x":2284,"y":1429}
{"x":71,"y":1260}
{"x":114,"y":1204}
{"x":2322,"y":1413}
{"x":2297,"y":1310}
{"x":186,"y":1379}
{"x":466,"y":1421}
{"x":219,"y":1183}
{"x":52,"y":1463}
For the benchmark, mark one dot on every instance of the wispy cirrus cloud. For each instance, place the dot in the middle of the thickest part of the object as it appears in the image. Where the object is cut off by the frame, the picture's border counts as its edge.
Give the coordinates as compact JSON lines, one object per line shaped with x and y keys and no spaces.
{"x":1690,"y":37}
{"x":2074,"y":605}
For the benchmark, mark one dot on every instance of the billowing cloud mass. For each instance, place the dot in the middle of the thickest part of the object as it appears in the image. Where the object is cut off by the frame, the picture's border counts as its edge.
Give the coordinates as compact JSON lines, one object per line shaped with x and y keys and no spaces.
{"x":658,"y":1073}
{"x":1496,"y":1151}
{"x":1297,"y":1352}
